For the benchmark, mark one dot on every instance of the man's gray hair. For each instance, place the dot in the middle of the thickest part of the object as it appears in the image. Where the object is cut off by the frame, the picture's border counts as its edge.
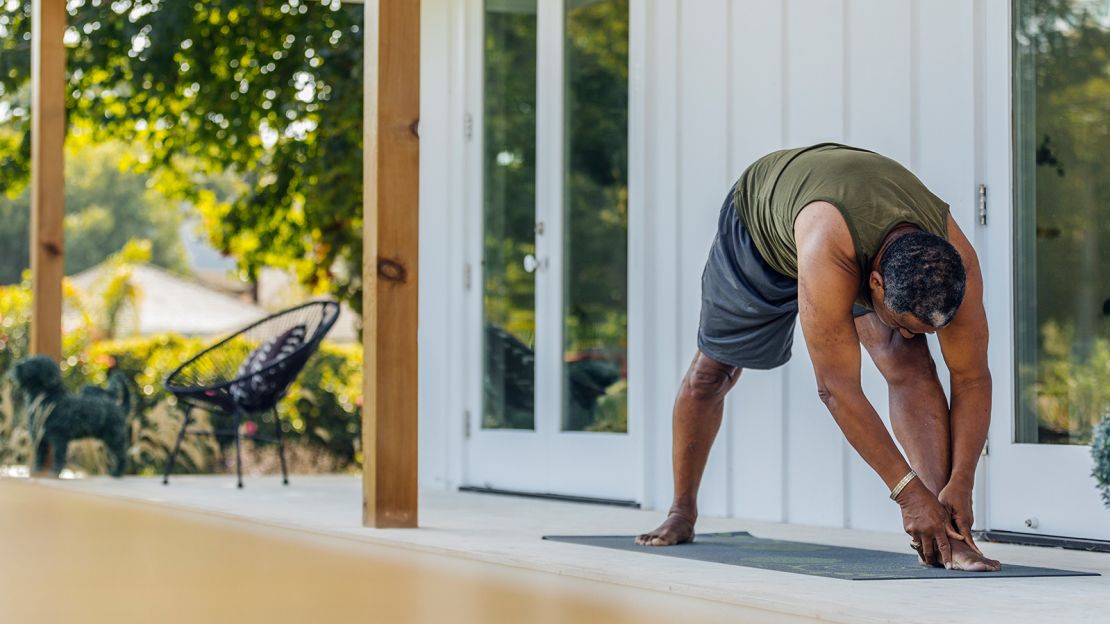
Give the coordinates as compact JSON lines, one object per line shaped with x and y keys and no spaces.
{"x":923,"y":274}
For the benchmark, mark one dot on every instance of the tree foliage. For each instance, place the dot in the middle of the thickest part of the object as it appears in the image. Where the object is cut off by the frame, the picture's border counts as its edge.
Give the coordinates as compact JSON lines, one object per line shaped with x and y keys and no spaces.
{"x":106,"y":206}
{"x":595,"y":212}
{"x":1063,"y":128}
{"x":270,"y":90}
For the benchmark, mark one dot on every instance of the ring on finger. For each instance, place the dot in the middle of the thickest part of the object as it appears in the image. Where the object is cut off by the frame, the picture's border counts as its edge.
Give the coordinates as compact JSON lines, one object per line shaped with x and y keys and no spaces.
{"x":916,"y":545}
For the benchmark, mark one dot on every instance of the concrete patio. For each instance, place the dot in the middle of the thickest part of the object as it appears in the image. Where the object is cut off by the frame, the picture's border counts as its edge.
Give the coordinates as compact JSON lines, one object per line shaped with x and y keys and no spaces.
{"x":507,"y":530}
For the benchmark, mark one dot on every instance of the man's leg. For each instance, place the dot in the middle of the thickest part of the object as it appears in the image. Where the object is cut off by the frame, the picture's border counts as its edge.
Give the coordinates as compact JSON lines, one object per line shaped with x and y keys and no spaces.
{"x":698,"y":411}
{"x":919,"y":412}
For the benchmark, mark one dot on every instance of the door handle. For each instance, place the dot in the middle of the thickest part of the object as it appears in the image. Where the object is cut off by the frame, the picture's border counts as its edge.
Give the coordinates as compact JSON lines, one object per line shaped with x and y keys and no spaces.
{"x":531,"y":263}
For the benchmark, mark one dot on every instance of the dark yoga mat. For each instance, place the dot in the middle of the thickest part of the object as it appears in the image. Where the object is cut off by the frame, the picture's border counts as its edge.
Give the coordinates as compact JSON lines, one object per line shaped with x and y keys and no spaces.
{"x":856,"y":564}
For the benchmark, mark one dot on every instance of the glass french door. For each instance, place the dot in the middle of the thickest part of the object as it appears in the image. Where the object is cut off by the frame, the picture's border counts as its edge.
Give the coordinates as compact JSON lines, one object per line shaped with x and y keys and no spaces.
{"x":1041,"y":475}
{"x":549,"y":135}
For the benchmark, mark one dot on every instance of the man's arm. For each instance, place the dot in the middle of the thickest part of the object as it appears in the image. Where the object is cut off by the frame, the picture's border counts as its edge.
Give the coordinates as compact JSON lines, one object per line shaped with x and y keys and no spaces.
{"x":828,"y":280}
{"x":826,"y":291}
{"x":964,"y":345}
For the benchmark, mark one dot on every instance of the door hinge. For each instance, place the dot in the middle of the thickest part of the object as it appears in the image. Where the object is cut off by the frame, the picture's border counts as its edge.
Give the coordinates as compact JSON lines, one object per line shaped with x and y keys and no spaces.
{"x":982,"y":204}
{"x":468,"y":126}
{"x":466,"y":424}
{"x":466,"y":275}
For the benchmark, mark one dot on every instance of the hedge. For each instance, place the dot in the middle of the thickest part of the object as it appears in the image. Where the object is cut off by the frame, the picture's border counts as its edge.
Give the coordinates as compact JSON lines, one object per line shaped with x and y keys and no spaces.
{"x":321,"y":411}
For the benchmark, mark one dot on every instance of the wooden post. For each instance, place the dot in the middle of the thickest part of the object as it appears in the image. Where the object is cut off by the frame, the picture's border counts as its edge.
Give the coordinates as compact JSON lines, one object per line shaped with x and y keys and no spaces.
{"x":391,"y":228}
{"x":48,"y":130}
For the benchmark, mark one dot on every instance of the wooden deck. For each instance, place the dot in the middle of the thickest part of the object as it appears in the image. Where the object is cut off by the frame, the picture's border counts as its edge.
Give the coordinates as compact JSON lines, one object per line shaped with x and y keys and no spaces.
{"x":205,"y":549}
{"x":71,"y":556}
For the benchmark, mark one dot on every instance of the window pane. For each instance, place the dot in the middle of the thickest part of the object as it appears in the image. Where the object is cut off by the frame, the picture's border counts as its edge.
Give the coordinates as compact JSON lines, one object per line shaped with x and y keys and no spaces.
{"x":509,"y":293}
{"x":1062,"y":129}
{"x":595,"y":285}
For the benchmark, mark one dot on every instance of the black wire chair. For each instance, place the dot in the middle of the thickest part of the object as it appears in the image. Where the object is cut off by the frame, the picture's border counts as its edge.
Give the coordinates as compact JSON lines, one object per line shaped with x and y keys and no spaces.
{"x":248,"y":373}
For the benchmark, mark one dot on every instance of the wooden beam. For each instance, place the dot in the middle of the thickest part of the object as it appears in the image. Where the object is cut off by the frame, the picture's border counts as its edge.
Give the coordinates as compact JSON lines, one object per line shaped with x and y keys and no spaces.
{"x":391,"y":229}
{"x":48,"y":130}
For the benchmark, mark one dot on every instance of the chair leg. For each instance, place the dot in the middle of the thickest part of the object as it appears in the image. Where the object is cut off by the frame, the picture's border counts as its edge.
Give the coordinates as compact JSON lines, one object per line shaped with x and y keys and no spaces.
{"x":177,"y":445}
{"x":281,"y":448}
{"x":238,"y":453}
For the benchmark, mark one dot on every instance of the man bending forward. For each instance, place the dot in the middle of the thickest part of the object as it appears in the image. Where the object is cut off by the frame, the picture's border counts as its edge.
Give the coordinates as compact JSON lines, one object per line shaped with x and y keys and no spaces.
{"x":858,"y":247}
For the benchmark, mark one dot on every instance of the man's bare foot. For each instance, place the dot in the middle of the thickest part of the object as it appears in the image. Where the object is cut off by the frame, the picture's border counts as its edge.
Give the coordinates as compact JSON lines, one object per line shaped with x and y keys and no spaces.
{"x":965,"y":558}
{"x":676,"y":529}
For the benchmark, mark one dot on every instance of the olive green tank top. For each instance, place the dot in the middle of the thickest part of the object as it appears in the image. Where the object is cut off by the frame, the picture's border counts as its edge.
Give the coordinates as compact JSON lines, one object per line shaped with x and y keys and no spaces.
{"x":872,"y":192}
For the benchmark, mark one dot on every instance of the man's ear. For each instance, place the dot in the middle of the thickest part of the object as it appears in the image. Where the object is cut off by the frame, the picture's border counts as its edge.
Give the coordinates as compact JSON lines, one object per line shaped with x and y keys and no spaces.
{"x":875,"y":281}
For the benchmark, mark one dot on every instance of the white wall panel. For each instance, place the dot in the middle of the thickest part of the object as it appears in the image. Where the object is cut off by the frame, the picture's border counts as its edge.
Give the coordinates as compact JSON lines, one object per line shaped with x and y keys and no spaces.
{"x":879,"y":93}
{"x":703,"y":181}
{"x":436,"y":208}
{"x":815,"y":75}
{"x":667,"y":361}
{"x":814,"y":66}
{"x":755,"y":81}
{"x":754,"y":409}
{"x":946,"y":114}
{"x":878,"y":77}
{"x":946,"y":104}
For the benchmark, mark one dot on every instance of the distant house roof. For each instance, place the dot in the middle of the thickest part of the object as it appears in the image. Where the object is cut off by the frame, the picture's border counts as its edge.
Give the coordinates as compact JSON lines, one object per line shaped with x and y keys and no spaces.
{"x":171,"y":303}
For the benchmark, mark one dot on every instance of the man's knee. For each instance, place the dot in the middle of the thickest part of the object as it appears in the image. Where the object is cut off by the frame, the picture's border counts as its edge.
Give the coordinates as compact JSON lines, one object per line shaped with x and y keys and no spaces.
{"x":904,"y":362}
{"x":708,"y":379}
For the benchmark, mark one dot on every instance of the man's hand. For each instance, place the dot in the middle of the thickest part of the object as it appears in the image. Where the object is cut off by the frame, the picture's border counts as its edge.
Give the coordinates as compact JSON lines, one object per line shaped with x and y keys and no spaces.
{"x":928,"y":523}
{"x":956,"y":499}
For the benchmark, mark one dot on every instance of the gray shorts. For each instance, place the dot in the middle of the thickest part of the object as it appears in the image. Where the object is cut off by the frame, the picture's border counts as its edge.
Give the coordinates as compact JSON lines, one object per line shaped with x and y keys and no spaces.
{"x":747,"y":308}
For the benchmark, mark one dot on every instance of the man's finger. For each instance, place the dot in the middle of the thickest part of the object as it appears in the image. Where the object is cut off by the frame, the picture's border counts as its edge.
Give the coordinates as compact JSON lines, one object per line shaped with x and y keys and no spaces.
{"x":945,"y":550}
{"x":928,"y":551}
{"x":953,"y":534}
{"x":964,"y":527}
{"x":966,"y":531}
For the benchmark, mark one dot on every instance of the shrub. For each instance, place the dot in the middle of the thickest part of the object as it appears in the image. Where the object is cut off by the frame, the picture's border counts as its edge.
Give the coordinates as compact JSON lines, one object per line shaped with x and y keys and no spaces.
{"x":322,"y":410}
{"x":323,"y":406}
{"x":1100,"y":451}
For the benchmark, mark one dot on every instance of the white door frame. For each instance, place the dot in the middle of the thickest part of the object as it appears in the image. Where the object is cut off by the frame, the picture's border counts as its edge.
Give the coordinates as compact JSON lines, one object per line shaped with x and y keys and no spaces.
{"x":503,"y":459}
{"x":547,"y":460}
{"x":1049,"y":485}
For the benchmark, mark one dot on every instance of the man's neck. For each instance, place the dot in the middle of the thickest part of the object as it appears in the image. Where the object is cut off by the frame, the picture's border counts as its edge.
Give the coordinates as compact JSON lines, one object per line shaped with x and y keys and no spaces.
{"x":899,"y":231}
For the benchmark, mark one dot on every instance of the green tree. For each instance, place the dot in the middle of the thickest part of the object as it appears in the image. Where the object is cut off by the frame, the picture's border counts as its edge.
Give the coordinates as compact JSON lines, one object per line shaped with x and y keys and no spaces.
{"x":269,"y":90}
{"x":1063,"y":128}
{"x":106,"y":206}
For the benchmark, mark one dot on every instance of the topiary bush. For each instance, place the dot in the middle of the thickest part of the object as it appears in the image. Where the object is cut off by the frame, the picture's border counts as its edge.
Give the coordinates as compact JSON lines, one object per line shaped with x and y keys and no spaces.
{"x":1100,"y":451}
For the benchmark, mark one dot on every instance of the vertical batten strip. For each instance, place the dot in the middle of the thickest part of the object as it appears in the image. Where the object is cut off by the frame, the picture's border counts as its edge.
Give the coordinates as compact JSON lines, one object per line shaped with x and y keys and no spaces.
{"x":915,"y":86}
{"x":846,"y":449}
{"x":391,"y":172}
{"x":728,"y":427}
{"x":48,"y":129}
{"x":661,"y":112}
{"x":784,"y":52}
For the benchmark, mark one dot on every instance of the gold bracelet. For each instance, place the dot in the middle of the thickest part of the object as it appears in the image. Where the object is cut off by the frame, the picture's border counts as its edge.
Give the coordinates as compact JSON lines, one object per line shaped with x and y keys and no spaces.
{"x":902,"y":485}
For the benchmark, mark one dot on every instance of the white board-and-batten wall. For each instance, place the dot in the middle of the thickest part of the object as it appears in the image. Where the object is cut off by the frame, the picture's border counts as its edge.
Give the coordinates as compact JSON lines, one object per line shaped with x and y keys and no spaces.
{"x":714,"y":84}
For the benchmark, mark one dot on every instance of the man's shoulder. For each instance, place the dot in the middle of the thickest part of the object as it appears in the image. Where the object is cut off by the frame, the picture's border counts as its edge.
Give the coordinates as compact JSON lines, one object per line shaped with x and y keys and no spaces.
{"x":820,"y":229}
